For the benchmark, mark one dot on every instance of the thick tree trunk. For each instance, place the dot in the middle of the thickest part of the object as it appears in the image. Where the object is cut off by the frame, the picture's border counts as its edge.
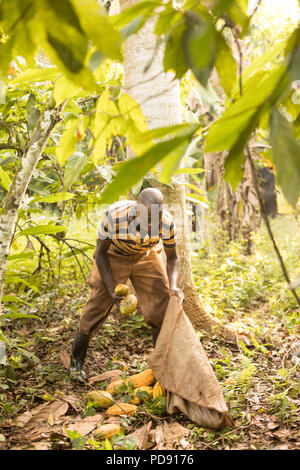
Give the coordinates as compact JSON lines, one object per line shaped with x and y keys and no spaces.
{"x":18,"y":187}
{"x":159,"y":97}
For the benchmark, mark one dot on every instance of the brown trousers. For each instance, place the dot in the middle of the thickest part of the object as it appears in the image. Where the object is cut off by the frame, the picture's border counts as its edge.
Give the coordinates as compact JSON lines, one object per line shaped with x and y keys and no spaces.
{"x":148,"y":275}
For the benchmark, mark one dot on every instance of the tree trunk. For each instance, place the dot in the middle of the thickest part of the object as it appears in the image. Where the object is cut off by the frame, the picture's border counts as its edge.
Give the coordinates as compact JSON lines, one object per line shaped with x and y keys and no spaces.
{"x":18,"y":187}
{"x":159,"y":97}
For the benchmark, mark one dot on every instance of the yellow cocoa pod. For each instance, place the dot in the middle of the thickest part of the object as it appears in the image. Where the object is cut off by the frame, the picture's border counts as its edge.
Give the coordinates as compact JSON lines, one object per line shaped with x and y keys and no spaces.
{"x":122,"y":290}
{"x":107,"y":431}
{"x":100,"y":399}
{"x":115,"y":387}
{"x":121,"y":409}
{"x":158,"y":391}
{"x":143,"y":378}
{"x":128,"y":304}
{"x":137,"y":398}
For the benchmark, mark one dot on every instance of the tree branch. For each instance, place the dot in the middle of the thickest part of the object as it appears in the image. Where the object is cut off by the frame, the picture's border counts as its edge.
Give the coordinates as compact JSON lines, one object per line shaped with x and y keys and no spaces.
{"x":10,"y":146}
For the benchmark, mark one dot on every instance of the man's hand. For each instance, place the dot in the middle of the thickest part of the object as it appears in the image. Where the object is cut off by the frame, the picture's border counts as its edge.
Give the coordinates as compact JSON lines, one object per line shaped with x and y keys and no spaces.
{"x":116,"y":298}
{"x":176,"y":291}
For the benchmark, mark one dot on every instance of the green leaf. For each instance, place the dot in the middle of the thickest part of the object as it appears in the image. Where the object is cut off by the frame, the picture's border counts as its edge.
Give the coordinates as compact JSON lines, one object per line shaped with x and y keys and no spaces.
{"x":108,"y":445}
{"x":292,"y":55}
{"x":108,"y":122}
{"x":64,"y":88}
{"x":73,"y":168}
{"x":171,"y":161}
{"x":16,"y":279}
{"x":33,"y":118}
{"x":166,"y":19}
{"x":13,"y":298}
{"x":58,"y":197}
{"x":42,"y":230}
{"x":174,"y":58}
{"x":128,"y":15}
{"x":21,"y":256}
{"x":236,"y":158}
{"x":136,"y":125}
{"x":199,"y":45}
{"x":238,"y":13}
{"x":62,"y":39}
{"x":225,"y":64}
{"x":30,"y":103}
{"x":226,"y":131}
{"x":286,"y":155}
{"x":67,"y":142}
{"x":97,"y":27}
{"x":17,"y":315}
{"x":133,"y":170}
{"x":65,"y":54}
{"x":4,"y":179}
{"x":36,"y":75}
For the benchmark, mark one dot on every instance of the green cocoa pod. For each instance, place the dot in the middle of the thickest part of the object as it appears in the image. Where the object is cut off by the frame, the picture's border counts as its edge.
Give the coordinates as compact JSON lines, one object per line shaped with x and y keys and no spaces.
{"x":128,"y":305}
{"x":100,"y":399}
{"x":122,"y":290}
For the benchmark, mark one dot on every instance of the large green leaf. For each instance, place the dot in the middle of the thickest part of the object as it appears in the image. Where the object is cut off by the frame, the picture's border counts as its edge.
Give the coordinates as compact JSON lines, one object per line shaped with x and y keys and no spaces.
{"x":97,"y":27}
{"x":18,"y":28}
{"x":133,"y":170}
{"x":174,"y":58}
{"x":61,"y":37}
{"x":108,"y":122}
{"x":199,"y":45}
{"x":36,"y":75}
{"x":226,"y":131}
{"x":42,"y":230}
{"x":286,"y":155}
{"x":58,"y":197}
{"x":73,"y":168}
{"x":64,"y":89}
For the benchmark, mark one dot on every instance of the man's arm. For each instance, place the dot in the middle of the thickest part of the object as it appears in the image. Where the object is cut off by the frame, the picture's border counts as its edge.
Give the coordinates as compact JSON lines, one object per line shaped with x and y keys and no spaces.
{"x":104,"y":267}
{"x":173,"y":270}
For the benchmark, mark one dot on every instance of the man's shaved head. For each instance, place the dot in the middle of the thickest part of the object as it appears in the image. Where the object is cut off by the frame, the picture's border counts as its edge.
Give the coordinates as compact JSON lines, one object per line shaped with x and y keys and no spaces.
{"x":150,"y":196}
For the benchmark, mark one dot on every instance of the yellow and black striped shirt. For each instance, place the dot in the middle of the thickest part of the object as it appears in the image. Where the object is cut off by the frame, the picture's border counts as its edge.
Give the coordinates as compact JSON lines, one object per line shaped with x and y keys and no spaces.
{"x":128,"y":238}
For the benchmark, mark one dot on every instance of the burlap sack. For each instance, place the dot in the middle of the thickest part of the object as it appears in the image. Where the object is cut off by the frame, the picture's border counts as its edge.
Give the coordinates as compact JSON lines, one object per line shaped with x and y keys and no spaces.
{"x":182,"y":368}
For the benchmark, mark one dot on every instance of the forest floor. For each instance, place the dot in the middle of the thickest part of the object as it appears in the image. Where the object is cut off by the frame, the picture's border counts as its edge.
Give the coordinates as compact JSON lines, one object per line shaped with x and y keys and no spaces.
{"x":42,"y":409}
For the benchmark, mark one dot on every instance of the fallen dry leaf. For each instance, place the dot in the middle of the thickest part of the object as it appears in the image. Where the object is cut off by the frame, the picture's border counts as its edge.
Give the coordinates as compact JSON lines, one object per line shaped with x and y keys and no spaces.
{"x":106,"y":375}
{"x":179,"y":430}
{"x":114,"y":419}
{"x":272,"y":426}
{"x":157,"y":436}
{"x":64,"y":357}
{"x":40,"y":414}
{"x":141,"y":435}
{"x":86,"y":425}
{"x":282,"y":434}
{"x":71,"y":400}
